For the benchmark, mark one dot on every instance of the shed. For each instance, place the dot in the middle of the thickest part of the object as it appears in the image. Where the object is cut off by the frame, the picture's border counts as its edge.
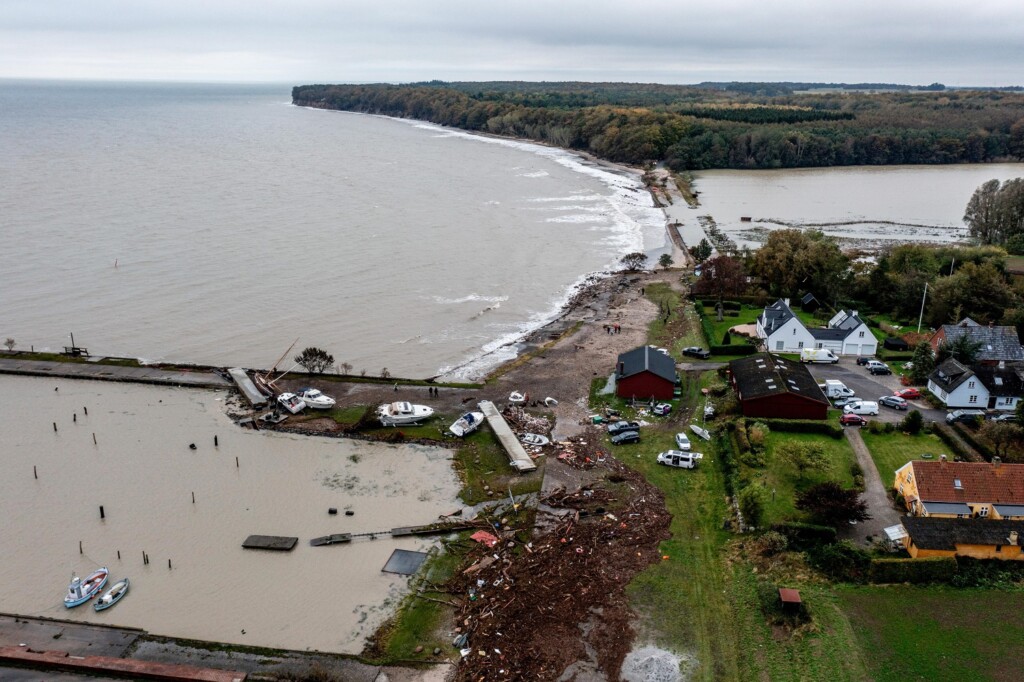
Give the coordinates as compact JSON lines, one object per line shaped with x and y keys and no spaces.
{"x":790,"y":599}
{"x":645,"y":372}
{"x":894,"y":343}
{"x":773,"y":387}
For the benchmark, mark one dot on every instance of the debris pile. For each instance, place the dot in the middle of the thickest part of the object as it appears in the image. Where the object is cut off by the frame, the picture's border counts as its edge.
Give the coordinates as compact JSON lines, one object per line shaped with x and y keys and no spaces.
{"x":520,"y":421}
{"x":529,"y":611}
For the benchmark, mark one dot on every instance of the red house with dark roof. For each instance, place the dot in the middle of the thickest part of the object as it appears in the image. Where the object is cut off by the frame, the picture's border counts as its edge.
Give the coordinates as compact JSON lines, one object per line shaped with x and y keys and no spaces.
{"x":773,"y":387}
{"x":645,"y":372}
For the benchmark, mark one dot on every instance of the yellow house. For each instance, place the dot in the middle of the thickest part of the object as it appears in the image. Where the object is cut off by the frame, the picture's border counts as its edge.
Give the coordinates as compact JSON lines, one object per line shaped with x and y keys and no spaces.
{"x":962,"y":490}
{"x":936,"y":536}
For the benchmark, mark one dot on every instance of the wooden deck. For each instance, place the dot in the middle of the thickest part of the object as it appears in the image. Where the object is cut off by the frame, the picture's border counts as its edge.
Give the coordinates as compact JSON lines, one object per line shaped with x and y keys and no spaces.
{"x":516,"y":453}
{"x":277,"y":543}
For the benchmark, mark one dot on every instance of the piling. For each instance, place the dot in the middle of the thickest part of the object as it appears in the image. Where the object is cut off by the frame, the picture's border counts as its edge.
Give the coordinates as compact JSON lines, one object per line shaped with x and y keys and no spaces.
{"x":193,"y":497}
{"x":55,"y":427}
{"x":236,"y":462}
{"x":74,"y":417}
{"x":94,"y":438}
{"x":86,"y":410}
{"x":215,"y":440}
{"x":168,"y":564}
{"x":35,"y":474}
{"x":80,"y":547}
{"x":103,"y":514}
{"x":118,"y":555}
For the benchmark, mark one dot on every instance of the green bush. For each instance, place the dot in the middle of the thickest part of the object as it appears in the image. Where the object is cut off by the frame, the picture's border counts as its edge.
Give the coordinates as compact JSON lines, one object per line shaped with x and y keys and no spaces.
{"x":726,"y":339}
{"x":805,"y":426}
{"x":959,"y":448}
{"x":840,"y":561}
{"x":755,"y":459}
{"x":802,"y":536}
{"x":752,"y":501}
{"x":912,"y":423}
{"x":769,"y":543}
{"x":732,"y":313}
{"x":742,"y":441}
{"x":877,"y":427}
{"x":991,"y":573}
{"x":926,"y":570}
{"x":971,"y":438}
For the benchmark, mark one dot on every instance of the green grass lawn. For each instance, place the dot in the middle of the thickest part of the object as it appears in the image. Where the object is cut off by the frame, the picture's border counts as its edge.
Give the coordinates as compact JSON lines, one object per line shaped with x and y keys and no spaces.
{"x":892,"y":450}
{"x":936,"y":633}
{"x":783,"y":478}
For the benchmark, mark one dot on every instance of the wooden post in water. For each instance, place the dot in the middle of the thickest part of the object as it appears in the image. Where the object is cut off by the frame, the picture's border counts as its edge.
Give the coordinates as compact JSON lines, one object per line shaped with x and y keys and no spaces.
{"x":236,"y":462}
{"x":94,"y":438}
{"x":118,"y":555}
{"x":35,"y":474}
{"x":55,"y":427}
{"x":102,"y":513}
{"x":80,"y":547}
{"x":86,"y":410}
{"x":193,"y":497}
{"x":168,"y":564}
{"x":74,"y":417}
{"x":215,"y":440}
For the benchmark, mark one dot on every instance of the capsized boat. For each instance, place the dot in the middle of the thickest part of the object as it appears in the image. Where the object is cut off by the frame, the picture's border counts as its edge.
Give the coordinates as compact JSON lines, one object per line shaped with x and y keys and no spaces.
{"x":316,"y":400}
{"x":291,"y":402}
{"x":112,"y":596}
{"x":516,"y":398}
{"x":81,"y":591}
{"x":467,"y":424}
{"x":703,"y":433}
{"x":400,"y":412}
{"x":534,"y":439}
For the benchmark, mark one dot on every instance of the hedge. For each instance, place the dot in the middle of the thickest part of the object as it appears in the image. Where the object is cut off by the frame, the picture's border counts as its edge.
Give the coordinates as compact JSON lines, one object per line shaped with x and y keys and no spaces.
{"x":954,"y":442}
{"x":972,"y":440}
{"x":804,"y":535}
{"x":939,"y":569}
{"x":734,"y":349}
{"x":805,"y":426}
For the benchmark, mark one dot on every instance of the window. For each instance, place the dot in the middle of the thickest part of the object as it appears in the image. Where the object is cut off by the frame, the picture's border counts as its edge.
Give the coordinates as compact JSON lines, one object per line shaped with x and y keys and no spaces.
{"x":794,"y":331}
{"x":800,"y":345}
{"x":818,"y":345}
{"x":970,"y":384}
{"x":910,"y":477}
{"x":983,"y":512}
{"x":779,"y":345}
{"x":999,"y":548}
{"x":861,"y":335}
{"x":901,"y":488}
{"x":973,"y":400}
{"x":961,"y":516}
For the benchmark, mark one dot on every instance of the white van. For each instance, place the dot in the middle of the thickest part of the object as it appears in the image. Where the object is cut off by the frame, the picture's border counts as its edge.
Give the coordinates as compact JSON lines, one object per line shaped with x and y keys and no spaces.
{"x":836,"y":389}
{"x":862,"y":407}
{"x":818,"y":355}
{"x":677,"y":458}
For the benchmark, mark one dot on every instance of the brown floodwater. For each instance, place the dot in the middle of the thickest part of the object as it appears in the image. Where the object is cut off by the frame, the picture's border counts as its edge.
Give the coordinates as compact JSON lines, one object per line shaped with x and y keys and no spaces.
{"x":143,"y":473}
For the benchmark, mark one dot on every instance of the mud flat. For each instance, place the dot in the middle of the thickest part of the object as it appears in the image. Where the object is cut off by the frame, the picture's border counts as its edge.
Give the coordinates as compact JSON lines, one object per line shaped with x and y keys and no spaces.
{"x":143,"y":472}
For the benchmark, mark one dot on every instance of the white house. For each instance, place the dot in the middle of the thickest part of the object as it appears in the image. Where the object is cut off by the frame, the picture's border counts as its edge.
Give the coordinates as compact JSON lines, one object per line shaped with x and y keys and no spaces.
{"x":781,"y":331}
{"x":992,"y":387}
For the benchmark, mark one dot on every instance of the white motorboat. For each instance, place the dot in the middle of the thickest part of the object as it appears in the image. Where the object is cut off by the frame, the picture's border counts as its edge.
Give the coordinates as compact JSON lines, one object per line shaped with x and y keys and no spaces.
{"x":534,"y":439}
{"x":467,"y":424}
{"x":703,"y":433}
{"x":82,"y":590}
{"x":112,"y":596}
{"x":400,"y":412}
{"x":516,"y":398}
{"x":291,"y":402}
{"x":316,"y":400}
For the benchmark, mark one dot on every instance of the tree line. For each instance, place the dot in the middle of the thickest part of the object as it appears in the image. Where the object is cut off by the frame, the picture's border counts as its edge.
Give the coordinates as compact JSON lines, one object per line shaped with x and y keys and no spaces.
{"x":689,"y":127}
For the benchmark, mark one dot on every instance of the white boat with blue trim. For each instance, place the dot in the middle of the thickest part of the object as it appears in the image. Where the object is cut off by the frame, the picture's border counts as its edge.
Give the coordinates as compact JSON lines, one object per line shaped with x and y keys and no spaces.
{"x":81,"y":591}
{"x":467,"y":424}
{"x":113,"y":595}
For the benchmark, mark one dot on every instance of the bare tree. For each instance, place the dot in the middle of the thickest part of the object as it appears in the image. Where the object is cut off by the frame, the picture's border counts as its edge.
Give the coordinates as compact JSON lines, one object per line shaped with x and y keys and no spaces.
{"x":346,"y":367}
{"x":9,"y":342}
{"x":315,"y":359}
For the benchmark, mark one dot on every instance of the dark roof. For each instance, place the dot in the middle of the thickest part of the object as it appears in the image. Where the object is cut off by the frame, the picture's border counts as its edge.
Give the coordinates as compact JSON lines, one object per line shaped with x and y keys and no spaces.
{"x":808,"y":297}
{"x":776,"y":315}
{"x":1002,"y":382}
{"x":849,"y":320}
{"x":646,"y":359}
{"x":895,"y":343}
{"x":822,"y":334}
{"x":950,"y":375}
{"x":929,"y":532}
{"x":765,"y":374}
{"x":979,"y":482}
{"x":997,"y":343}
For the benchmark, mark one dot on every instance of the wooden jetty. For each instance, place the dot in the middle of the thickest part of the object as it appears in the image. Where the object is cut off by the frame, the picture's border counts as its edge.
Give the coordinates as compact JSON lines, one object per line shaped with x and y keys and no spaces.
{"x":335,"y":539}
{"x":248,"y":389}
{"x":277,"y":543}
{"x":516,"y":454}
{"x":404,"y":531}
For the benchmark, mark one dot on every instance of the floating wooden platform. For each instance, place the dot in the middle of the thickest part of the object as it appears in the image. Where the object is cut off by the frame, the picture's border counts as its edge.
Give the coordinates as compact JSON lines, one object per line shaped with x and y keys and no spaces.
{"x":516,"y":454}
{"x":432,"y":529}
{"x":277,"y":543}
{"x":335,"y":539}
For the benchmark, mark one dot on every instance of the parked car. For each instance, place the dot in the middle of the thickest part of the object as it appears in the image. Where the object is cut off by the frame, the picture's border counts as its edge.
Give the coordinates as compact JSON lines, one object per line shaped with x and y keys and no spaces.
{"x":843,"y":402}
{"x":697,"y":352}
{"x":662,"y":409}
{"x":893,"y":401}
{"x":864,"y":360}
{"x":879,"y":368}
{"x":620,"y":426}
{"x":964,"y":416}
{"x":677,"y":458}
{"x":862,"y":407}
{"x":624,"y":437}
{"x":1003,"y":417}
{"x":852,"y":420}
{"x":908,"y":393}
{"x":682,"y":441}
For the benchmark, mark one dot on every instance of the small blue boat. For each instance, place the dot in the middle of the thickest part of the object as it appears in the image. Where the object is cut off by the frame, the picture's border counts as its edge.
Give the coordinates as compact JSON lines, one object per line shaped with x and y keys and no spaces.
{"x":112,"y":596}
{"x":81,"y":591}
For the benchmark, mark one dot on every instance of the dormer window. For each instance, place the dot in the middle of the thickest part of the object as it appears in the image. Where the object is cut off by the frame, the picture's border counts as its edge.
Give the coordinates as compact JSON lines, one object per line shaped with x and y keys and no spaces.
{"x":957,"y":485}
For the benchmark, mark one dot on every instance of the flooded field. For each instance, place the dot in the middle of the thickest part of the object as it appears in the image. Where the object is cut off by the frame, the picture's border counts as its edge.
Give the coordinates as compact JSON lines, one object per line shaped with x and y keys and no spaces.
{"x":865,"y":206}
{"x":143,"y":473}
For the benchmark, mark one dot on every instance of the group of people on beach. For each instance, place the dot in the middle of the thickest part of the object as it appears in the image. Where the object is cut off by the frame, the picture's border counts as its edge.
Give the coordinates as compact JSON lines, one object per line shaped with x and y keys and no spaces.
{"x":613,"y":328}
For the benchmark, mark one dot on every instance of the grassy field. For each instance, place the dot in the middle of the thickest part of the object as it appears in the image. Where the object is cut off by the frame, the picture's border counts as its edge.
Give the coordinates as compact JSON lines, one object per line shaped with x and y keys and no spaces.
{"x":937,"y":634}
{"x":892,"y":450}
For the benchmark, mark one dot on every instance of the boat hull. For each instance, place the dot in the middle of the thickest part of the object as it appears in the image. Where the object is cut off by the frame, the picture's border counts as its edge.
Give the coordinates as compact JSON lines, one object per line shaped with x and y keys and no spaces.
{"x":115,"y":594}
{"x":88,"y":588}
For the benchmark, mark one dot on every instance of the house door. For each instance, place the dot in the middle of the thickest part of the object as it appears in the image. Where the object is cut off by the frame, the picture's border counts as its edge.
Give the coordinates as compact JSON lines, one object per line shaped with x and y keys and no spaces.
{"x":991,"y":402}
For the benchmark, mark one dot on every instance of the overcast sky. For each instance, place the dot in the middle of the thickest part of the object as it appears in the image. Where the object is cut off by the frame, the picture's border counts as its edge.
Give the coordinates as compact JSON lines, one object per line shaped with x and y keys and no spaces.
{"x":978,"y":42}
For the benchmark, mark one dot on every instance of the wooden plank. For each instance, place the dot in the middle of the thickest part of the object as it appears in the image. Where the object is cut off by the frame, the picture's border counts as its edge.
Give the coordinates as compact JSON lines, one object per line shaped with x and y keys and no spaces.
{"x":278,"y":543}
{"x":334,"y":539}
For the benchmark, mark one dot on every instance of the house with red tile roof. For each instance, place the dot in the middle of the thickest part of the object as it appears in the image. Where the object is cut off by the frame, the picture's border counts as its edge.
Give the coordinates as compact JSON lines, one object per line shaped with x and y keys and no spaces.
{"x":962,"y":490}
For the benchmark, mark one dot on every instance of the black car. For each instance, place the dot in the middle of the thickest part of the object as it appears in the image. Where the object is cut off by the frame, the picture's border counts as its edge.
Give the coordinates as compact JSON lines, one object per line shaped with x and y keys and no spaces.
{"x":619,"y":427}
{"x":863,"y":360}
{"x":697,"y":352}
{"x":624,"y":437}
{"x":893,"y":401}
{"x":879,"y":369}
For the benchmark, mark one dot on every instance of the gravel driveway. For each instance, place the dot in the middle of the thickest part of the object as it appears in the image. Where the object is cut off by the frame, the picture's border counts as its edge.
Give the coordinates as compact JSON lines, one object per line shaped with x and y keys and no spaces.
{"x":869,"y":387}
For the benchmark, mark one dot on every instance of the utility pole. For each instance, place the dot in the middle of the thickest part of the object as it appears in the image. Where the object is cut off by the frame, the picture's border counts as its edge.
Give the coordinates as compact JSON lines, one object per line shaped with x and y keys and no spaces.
{"x":921,"y":316}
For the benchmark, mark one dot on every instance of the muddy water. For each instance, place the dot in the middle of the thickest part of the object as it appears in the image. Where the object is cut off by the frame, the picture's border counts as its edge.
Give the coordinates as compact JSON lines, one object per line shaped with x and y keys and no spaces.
{"x":144,"y":474}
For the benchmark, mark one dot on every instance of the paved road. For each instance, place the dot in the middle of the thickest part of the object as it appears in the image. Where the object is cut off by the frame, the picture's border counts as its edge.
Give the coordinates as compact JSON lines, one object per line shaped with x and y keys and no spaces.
{"x":876,"y":494}
{"x":869,"y":387}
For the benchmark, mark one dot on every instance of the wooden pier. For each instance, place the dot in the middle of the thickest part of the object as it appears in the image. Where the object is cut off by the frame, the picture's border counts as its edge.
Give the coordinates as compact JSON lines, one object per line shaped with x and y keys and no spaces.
{"x":247,"y":388}
{"x":516,"y":453}
{"x":404,"y":531}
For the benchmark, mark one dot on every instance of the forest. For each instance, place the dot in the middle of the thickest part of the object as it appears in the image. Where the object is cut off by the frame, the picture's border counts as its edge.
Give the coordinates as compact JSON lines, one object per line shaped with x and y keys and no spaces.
{"x":712,"y":125}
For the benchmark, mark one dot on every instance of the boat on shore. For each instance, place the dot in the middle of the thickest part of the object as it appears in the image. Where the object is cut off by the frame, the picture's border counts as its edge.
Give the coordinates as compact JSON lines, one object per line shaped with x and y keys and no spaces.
{"x":82,"y":590}
{"x":516,"y":398}
{"x":467,"y":424}
{"x":291,"y":402}
{"x":703,"y":433}
{"x":316,"y":400}
{"x":113,"y":595}
{"x":400,"y":413}
{"x":535,"y":439}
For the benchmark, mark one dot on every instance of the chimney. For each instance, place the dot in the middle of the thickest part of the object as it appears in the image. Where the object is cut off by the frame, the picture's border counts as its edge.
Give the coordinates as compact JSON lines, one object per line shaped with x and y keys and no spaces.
{"x":997,"y":461}
{"x":1012,"y":540}
{"x":853,"y":313}
{"x":786,"y":301}
{"x":942,"y":459}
